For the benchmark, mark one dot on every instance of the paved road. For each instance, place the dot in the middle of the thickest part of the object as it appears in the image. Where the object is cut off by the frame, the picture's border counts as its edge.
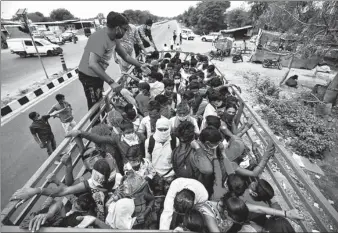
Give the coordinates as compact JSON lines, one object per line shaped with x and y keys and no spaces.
{"x":20,"y":155}
{"x":31,"y":70}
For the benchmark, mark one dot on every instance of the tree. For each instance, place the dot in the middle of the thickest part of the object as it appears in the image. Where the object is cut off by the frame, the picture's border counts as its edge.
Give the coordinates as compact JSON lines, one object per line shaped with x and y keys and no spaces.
{"x":61,"y":14}
{"x":257,"y":9}
{"x":314,"y":23}
{"x":207,"y":16}
{"x":140,"y":17}
{"x":238,"y":18}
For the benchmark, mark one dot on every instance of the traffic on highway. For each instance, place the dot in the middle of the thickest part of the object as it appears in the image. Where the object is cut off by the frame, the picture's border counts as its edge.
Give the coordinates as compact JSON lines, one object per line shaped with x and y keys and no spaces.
{"x":150,"y":135}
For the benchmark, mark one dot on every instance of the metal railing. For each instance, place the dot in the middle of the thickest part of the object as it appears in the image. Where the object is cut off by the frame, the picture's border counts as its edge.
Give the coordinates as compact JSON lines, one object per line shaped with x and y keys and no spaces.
{"x":283,"y":159}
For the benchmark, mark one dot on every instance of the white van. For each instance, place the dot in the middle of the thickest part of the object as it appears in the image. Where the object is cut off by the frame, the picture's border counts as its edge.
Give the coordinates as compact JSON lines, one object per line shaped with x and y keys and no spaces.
{"x":24,"y":47}
{"x":187,"y":34}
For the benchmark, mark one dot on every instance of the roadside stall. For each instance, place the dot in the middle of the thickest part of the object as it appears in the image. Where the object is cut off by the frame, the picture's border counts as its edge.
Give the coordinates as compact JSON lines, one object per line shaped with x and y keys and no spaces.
{"x":272,"y":45}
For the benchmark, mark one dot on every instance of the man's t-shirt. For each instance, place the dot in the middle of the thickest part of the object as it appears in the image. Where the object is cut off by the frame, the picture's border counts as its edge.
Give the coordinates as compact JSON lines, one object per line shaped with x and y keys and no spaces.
{"x":66,"y":115}
{"x":100,"y":44}
{"x":42,"y":128}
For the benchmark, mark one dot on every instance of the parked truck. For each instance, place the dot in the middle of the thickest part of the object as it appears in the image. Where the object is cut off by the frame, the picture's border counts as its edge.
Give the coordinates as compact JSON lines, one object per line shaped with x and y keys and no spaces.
{"x":24,"y":47}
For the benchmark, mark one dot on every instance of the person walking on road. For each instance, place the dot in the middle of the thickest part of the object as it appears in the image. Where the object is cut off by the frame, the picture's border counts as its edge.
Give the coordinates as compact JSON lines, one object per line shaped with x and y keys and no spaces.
{"x":181,"y":38}
{"x":174,"y":36}
{"x":63,"y":110}
{"x":42,"y":132}
{"x":130,"y":38}
{"x":97,"y":54}
{"x":146,"y":37}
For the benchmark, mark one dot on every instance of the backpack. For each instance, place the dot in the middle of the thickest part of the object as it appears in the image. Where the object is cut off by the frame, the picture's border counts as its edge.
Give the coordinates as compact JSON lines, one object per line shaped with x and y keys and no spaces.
{"x":181,"y":166}
{"x":152,"y":144}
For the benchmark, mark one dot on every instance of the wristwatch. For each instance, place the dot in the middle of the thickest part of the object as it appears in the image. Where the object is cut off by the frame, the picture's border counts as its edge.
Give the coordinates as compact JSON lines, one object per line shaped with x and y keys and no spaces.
{"x":111,"y":82}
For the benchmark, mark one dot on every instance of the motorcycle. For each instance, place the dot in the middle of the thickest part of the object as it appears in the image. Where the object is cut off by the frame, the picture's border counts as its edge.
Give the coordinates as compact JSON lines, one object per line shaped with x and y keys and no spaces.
{"x":274,"y":63}
{"x":237,"y":57}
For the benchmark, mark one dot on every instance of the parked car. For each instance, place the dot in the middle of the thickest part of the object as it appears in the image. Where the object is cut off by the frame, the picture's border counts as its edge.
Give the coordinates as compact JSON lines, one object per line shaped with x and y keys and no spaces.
{"x":68,"y":36}
{"x":187,"y":34}
{"x":24,"y":47}
{"x":211,"y":37}
{"x":52,"y":38}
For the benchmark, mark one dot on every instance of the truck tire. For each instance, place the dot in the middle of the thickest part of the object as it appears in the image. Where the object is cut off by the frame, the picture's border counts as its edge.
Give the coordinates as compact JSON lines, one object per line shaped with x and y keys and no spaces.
{"x":23,"y":54}
{"x":49,"y":53}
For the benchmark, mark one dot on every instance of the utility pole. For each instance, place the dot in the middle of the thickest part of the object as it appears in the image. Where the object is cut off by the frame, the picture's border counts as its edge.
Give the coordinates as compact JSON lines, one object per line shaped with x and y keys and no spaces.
{"x":23,"y":14}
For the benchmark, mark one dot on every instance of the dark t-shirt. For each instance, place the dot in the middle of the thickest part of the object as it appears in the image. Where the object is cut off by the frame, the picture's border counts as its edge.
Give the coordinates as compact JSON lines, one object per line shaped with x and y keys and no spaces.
{"x":42,"y":128}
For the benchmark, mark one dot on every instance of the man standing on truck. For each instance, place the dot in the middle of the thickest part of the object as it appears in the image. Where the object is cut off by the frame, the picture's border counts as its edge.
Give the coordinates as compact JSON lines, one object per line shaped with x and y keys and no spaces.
{"x":146,"y":37}
{"x":96,"y":56}
{"x":42,"y":132}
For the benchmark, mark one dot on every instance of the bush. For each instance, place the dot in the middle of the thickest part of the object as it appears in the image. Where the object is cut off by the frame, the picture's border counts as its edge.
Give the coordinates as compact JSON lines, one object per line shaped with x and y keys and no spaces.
{"x":311,"y":136}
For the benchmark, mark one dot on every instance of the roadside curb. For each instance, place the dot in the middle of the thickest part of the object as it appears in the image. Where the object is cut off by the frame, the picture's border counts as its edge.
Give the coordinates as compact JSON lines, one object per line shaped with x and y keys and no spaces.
{"x":16,"y":104}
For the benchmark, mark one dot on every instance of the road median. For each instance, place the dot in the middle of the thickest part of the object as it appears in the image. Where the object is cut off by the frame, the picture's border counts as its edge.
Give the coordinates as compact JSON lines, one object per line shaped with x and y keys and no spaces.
{"x":25,"y":98}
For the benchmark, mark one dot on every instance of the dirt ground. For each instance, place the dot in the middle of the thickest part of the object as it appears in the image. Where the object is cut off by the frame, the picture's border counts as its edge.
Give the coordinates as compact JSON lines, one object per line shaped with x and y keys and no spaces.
{"x":235,"y":73}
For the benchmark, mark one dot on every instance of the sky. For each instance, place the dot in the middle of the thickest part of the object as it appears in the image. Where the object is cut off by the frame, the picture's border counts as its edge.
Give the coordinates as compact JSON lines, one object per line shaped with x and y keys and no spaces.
{"x":89,"y":9}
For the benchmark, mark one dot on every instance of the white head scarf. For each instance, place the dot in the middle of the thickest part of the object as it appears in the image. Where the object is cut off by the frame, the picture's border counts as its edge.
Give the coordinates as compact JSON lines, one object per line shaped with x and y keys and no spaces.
{"x":162,"y":136}
{"x":119,"y":214}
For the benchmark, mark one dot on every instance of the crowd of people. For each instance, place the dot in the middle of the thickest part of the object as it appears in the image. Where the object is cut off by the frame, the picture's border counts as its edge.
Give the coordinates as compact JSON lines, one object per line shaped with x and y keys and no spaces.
{"x":153,"y":162}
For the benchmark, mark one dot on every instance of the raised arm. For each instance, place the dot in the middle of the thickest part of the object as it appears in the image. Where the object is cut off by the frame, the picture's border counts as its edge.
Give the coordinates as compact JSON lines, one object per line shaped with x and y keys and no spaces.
{"x":269,"y":152}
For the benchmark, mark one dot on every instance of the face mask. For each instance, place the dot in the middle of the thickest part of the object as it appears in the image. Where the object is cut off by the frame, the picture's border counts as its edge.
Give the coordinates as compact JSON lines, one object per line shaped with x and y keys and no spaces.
{"x":97,"y":178}
{"x":228,"y":117}
{"x":161,"y":136}
{"x":182,"y":118}
{"x":211,"y":147}
{"x":131,"y":115}
{"x":130,"y":136}
{"x":119,"y":33}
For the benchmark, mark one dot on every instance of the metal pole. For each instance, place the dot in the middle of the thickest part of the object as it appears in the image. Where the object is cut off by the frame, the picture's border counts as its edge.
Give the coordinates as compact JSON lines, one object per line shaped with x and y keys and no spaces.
{"x":63,"y":62}
{"x":30,"y":34}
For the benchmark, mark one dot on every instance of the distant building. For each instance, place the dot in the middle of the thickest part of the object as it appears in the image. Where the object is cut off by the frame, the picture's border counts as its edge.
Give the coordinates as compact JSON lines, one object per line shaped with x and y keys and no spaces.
{"x":10,"y":29}
{"x":238,"y":33}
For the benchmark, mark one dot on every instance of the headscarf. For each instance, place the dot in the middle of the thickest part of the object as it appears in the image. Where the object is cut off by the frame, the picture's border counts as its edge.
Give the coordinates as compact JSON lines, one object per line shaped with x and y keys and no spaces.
{"x":119,"y":214}
{"x":162,"y":136}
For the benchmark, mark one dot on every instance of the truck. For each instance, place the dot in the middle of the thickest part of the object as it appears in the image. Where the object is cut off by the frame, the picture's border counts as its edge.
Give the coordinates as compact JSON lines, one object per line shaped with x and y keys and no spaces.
{"x":24,"y":47}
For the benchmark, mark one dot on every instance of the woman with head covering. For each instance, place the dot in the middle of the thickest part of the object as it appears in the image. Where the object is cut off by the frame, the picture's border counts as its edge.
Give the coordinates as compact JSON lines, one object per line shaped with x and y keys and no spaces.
{"x":183,"y":114}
